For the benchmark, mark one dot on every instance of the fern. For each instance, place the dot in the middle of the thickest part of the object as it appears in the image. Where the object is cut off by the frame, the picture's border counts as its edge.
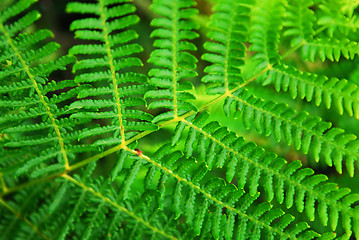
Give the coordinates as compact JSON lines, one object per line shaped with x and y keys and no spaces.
{"x":103,"y":62}
{"x":331,"y":91}
{"x":130,"y":136}
{"x":172,"y":61}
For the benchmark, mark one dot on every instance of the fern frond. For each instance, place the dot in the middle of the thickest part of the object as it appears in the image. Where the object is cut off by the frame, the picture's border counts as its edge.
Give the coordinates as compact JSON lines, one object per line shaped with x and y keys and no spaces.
{"x":317,"y":88}
{"x":56,"y":213}
{"x":332,"y":49}
{"x":22,"y":65}
{"x":251,"y":166}
{"x":300,"y":26}
{"x":347,"y":7}
{"x":299,"y":21}
{"x":187,"y":184}
{"x":171,"y":58}
{"x":266,"y":25}
{"x":112,"y":153}
{"x":14,"y":214}
{"x":226,"y":51}
{"x":141,"y":215}
{"x":106,"y":62}
{"x":335,"y":21}
{"x":330,"y":144}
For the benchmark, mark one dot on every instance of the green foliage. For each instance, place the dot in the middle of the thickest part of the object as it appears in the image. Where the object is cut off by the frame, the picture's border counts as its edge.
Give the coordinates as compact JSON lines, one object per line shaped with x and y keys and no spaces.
{"x":208,"y":105}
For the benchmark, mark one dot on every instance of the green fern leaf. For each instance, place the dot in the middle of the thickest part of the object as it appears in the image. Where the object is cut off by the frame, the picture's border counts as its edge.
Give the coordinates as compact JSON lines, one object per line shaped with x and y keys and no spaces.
{"x":299,"y":21}
{"x":265,"y":32}
{"x":333,"y":19}
{"x":302,"y":131}
{"x":172,"y":62}
{"x":31,"y":76}
{"x":344,"y":94}
{"x":211,"y":192}
{"x":117,"y":149}
{"x":113,"y":49}
{"x":254,"y":164}
{"x":227,"y":52}
{"x":330,"y":49}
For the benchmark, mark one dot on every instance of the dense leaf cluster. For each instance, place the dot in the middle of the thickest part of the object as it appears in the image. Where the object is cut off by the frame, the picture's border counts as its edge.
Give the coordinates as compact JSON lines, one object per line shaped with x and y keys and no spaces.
{"x":69,"y":163}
